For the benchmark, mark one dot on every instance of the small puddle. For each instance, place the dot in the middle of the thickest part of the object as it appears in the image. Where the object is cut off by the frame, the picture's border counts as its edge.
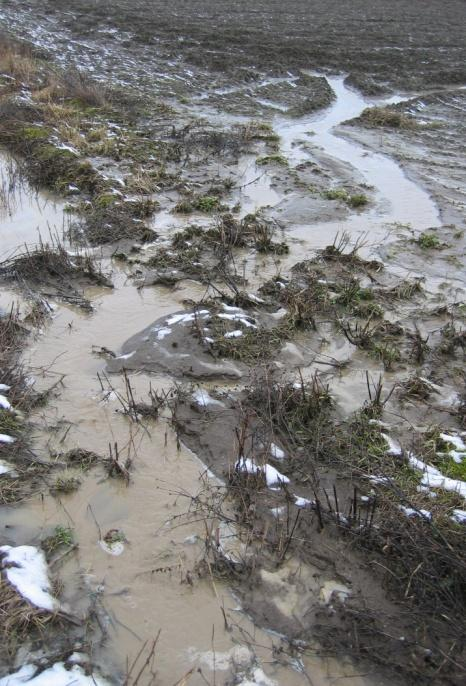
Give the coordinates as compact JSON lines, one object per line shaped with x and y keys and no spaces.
{"x":25,"y":215}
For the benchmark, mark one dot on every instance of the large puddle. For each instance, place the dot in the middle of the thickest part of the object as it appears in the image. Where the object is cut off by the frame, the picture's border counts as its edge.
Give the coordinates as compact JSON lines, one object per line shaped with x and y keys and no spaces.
{"x":153,"y":584}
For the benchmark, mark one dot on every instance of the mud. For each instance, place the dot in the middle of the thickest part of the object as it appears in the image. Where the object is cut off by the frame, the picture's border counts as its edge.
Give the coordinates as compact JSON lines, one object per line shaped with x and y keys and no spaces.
{"x":379,"y":49}
{"x":252,"y":489}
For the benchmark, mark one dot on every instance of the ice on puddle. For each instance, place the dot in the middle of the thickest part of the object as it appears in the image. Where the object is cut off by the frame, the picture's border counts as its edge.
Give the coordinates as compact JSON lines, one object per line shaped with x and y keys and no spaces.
{"x":29,"y":575}
{"x":114,"y":548}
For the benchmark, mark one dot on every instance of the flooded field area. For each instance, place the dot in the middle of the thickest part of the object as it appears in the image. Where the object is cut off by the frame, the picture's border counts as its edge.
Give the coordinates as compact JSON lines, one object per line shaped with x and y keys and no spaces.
{"x":232,"y":310}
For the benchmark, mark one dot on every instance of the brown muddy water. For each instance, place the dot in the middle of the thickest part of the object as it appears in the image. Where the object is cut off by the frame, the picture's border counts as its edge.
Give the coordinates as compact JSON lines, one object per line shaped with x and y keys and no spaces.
{"x":152,"y":585}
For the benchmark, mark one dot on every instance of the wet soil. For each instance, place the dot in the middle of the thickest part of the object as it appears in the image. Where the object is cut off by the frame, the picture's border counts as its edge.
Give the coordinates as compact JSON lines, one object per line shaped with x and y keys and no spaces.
{"x":409,"y":46}
{"x":301,"y":256}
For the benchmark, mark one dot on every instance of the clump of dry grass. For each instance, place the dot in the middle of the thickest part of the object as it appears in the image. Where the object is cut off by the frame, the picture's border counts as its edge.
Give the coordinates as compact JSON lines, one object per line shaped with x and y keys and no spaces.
{"x":50,"y":268}
{"x":18,"y":618}
{"x":388,"y":117}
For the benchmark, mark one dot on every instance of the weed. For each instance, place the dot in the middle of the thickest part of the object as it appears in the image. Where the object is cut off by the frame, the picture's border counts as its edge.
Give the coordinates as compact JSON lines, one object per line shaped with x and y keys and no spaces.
{"x":388,"y":354}
{"x":206,"y":203}
{"x":272,"y":159}
{"x":351,"y":293}
{"x":416,"y":387}
{"x":65,"y":483}
{"x":336,"y":194}
{"x":387,"y":117}
{"x":406,"y":289}
{"x":367,"y":310}
{"x":84,"y":459}
{"x":356,"y":200}
{"x":429,"y":241}
{"x":62,"y":536}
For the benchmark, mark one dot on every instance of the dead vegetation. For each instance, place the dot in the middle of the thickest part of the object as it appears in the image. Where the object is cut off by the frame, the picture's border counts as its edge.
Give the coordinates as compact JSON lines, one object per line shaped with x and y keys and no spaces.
{"x":49,"y":269}
{"x":18,"y":619}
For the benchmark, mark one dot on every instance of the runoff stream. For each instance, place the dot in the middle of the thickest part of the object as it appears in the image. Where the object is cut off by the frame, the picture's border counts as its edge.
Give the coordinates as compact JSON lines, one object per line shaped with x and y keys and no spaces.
{"x":146,"y":588}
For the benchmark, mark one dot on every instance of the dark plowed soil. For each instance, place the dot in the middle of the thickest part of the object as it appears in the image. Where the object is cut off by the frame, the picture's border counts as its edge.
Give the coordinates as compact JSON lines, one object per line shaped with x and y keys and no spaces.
{"x":408,"y":44}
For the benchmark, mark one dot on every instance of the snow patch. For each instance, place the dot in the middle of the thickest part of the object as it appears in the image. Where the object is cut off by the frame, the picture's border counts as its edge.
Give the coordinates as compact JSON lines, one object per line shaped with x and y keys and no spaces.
{"x":433,"y":478}
{"x":28,"y":573}
{"x":202,"y":398}
{"x":272,"y":475}
{"x":57,"y":675}
{"x":4,"y":403}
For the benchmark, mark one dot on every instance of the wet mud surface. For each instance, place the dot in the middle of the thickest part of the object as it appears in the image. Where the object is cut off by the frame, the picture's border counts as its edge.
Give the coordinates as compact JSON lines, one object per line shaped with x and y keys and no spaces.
{"x":406,"y":48}
{"x":232,"y":400}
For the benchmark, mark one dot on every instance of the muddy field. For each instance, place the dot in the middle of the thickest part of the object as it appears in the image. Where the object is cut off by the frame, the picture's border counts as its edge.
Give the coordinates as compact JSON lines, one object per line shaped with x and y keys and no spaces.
{"x":232,"y":388}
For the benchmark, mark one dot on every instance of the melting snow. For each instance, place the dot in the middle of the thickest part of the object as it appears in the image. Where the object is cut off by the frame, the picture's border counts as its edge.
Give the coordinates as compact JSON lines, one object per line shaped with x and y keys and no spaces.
{"x":239,"y":317}
{"x":234,"y":334}
{"x":454,"y":440}
{"x":394,"y":448}
{"x":57,"y":675}
{"x":272,"y":475}
{"x":411,"y":512}
{"x":186,"y":317}
{"x":29,"y":575}
{"x":459,"y":516}
{"x":7,"y":468}
{"x":4,"y":403}
{"x":434,"y":479}
{"x":257,"y":678}
{"x":163,"y":332}
{"x":203,"y":399}
{"x":4,"y":438}
{"x":277,"y":452}
{"x":115,"y":548}
{"x":302,"y":502}
{"x":230,"y":308}
{"x":126,"y":356}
